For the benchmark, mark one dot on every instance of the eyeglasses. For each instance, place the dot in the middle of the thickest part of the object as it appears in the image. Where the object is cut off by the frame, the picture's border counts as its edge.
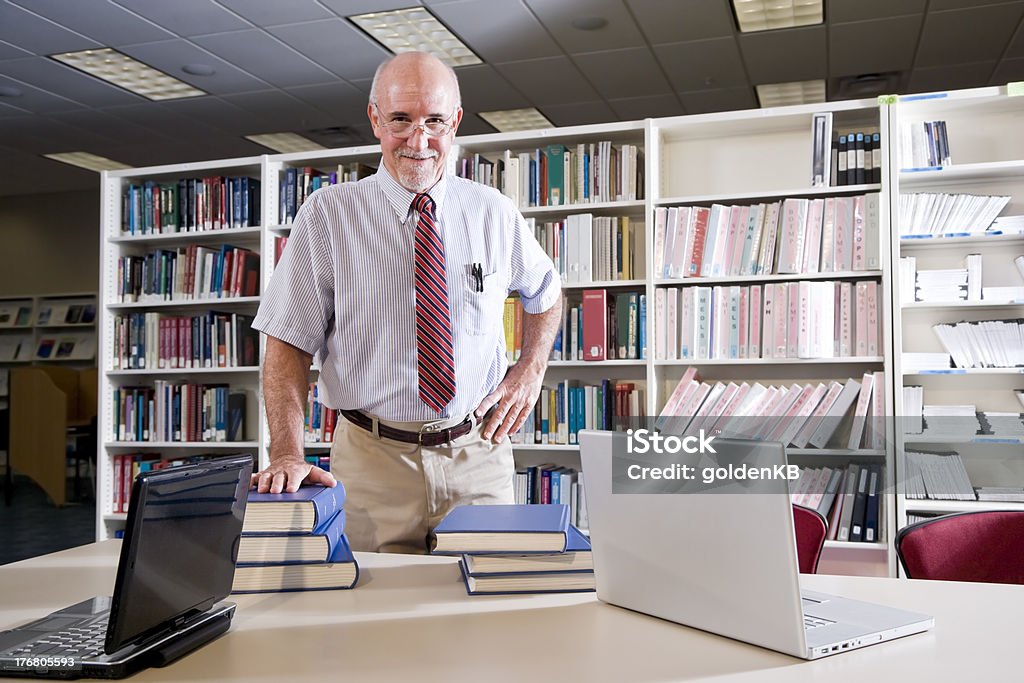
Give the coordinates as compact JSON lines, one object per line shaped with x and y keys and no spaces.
{"x":401,"y":128}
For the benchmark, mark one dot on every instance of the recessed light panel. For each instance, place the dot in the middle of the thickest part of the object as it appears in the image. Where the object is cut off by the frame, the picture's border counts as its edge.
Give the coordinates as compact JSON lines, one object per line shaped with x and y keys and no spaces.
{"x":767,"y":15}
{"x":508,"y":120}
{"x":408,"y":30}
{"x":88,"y":161}
{"x":797,"y":92}
{"x":132,"y":75}
{"x":285,"y":142}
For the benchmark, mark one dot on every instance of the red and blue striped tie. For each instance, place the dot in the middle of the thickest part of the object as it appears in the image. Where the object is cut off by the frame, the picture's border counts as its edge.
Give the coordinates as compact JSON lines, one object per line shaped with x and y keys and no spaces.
{"x":435,"y":357}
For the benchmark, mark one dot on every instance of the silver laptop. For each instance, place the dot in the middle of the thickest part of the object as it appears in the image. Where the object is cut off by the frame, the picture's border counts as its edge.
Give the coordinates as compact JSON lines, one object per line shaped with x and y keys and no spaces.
{"x":720,"y":557}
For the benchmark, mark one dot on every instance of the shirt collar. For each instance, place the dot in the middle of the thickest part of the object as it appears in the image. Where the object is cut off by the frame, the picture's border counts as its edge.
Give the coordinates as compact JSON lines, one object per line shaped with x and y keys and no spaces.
{"x":401,"y":198}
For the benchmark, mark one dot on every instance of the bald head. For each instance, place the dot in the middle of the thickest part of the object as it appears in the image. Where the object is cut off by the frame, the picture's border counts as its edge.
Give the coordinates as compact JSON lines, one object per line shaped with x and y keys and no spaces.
{"x":415,"y":67}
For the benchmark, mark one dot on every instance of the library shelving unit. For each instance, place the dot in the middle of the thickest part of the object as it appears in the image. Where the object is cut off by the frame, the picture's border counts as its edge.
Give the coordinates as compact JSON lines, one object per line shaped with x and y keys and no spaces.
{"x":182,"y":253}
{"x":747,"y":158}
{"x":987,"y":158}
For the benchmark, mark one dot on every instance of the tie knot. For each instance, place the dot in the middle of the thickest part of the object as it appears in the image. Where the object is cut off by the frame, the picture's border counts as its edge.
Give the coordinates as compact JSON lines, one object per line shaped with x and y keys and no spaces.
{"x":424,"y":204}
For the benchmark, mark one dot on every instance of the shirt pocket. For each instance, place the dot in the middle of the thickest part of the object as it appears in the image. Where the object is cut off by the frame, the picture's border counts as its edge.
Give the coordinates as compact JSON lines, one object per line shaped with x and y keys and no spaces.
{"x":483,"y":311}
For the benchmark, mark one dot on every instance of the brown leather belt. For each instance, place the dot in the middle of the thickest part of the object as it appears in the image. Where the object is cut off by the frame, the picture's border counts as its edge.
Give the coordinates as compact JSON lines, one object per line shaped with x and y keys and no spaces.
{"x":428,"y":438}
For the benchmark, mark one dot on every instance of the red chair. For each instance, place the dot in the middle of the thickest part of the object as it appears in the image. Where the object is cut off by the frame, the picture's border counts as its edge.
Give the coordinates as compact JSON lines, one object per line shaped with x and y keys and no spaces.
{"x":983,"y":546}
{"x":811,"y":529}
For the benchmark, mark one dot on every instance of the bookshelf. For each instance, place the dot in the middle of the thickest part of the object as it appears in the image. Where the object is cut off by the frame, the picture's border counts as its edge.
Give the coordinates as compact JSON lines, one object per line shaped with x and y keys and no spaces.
{"x":179,"y":279}
{"x":985,"y":159}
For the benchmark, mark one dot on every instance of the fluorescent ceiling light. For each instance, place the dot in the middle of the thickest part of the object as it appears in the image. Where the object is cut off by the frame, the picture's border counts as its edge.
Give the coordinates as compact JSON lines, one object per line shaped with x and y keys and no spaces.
{"x":508,"y":120}
{"x":766,"y":15}
{"x":798,"y":92}
{"x":88,"y":161}
{"x":285,"y":142}
{"x":414,"y":28}
{"x":123,"y":71}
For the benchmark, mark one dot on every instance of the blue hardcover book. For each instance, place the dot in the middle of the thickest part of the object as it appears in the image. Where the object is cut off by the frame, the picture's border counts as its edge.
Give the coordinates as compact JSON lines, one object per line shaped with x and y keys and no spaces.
{"x":302,"y":512}
{"x":339,"y":571}
{"x":291,"y":547}
{"x":576,"y":558}
{"x":528,"y":582}
{"x":503,"y":529}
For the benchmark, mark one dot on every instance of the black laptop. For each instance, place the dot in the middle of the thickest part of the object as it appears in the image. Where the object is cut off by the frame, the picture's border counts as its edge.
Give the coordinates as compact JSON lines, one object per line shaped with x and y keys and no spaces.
{"x":176,"y":567}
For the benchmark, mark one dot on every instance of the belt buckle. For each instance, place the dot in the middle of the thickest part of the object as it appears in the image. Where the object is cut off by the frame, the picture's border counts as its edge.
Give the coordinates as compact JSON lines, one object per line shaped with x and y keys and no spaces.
{"x":431,"y":428}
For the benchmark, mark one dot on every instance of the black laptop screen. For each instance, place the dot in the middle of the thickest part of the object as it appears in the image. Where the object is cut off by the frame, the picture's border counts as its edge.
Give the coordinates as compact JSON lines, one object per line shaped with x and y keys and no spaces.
{"x":179,"y":549}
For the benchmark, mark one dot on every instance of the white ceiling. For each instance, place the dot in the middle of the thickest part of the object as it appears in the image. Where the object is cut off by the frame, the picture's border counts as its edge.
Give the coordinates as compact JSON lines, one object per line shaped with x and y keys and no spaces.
{"x":299,"y":65}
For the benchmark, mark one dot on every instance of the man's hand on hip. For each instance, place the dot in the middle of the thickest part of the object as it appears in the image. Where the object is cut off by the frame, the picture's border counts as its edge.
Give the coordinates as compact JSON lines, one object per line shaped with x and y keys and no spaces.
{"x":288,"y":474}
{"x":513,"y":399}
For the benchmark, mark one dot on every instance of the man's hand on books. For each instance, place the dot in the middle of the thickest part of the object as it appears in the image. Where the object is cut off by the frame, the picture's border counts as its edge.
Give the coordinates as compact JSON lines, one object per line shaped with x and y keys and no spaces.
{"x":511,"y":401}
{"x":288,"y":474}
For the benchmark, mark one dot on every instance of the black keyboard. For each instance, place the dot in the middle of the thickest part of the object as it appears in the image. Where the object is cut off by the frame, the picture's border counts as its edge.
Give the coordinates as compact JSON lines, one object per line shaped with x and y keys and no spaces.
{"x":80,"y":642}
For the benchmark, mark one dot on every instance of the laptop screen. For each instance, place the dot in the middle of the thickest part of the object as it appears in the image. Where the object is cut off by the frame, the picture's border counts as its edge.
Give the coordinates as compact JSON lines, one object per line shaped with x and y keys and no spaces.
{"x":179,"y":549}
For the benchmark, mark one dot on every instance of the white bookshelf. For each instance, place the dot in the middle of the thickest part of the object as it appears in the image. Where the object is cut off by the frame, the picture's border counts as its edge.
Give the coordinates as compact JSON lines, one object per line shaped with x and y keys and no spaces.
{"x":116,"y":244}
{"x":987,"y":159}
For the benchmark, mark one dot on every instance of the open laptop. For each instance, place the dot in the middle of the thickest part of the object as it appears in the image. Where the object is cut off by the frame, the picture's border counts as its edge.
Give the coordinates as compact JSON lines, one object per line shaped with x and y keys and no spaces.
{"x":719,"y":557}
{"x":176,"y":567}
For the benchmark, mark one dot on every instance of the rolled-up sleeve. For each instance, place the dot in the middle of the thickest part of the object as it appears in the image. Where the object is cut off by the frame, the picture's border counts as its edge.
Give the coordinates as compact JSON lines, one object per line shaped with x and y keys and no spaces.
{"x":533,"y":274}
{"x":298,"y":304}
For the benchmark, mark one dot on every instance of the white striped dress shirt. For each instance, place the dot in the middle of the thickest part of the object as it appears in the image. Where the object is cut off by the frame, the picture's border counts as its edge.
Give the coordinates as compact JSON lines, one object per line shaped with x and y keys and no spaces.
{"x":344,"y":291}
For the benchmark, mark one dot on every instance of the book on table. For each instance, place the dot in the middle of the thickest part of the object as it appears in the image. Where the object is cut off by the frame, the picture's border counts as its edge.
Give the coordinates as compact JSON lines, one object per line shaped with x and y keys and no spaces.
{"x":576,"y":558}
{"x":291,"y":546}
{"x":503,"y":529}
{"x":338,"y":571}
{"x":528,"y":582}
{"x":299,"y":512}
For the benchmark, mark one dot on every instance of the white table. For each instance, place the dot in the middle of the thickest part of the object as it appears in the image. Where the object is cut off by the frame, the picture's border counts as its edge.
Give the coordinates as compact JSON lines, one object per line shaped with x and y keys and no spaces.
{"x":411,"y":620}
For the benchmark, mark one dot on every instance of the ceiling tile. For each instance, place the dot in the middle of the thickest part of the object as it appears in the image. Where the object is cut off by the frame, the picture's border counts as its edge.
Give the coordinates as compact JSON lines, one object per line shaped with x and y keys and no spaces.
{"x":167,"y":122}
{"x":274,"y":12}
{"x":939,"y":5}
{"x":557,"y":16}
{"x":555,"y":80}
{"x":348,"y":8}
{"x":838,"y":11}
{"x":31,"y":32}
{"x":1007,"y":71}
{"x":46,"y":74}
{"x":59,"y":177}
{"x":106,"y":23}
{"x":36,"y":101}
{"x":579,"y":113}
{"x":101,"y":124}
{"x":343,"y":102}
{"x":484,"y":89}
{"x":723,"y":99}
{"x":474,"y":125}
{"x":702,"y":64}
{"x":188,"y":17}
{"x":670,"y":21}
{"x":497,"y":31}
{"x":1016,"y":48}
{"x":623,"y":73}
{"x":11,"y":110}
{"x":265,"y":58}
{"x":8,"y":51}
{"x":335,"y":44}
{"x":796,"y":54}
{"x":949,"y":77}
{"x":273,"y":111}
{"x":171,"y":55}
{"x":40,"y":135}
{"x":873,"y":46}
{"x":964,"y":36}
{"x":637,"y":108}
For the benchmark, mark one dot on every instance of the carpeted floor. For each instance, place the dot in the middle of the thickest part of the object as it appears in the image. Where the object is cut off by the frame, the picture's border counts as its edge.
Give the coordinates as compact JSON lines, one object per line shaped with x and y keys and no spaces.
{"x":33,"y":526}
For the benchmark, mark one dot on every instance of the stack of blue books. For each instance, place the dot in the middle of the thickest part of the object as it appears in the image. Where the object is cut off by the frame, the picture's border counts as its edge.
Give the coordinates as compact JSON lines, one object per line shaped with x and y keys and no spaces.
{"x":517,"y":549}
{"x":295,"y":542}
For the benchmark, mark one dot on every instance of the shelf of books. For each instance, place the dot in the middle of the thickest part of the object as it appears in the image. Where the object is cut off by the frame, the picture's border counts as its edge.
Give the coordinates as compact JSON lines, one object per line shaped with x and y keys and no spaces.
{"x":958,"y":200}
{"x":770,"y":300}
{"x":180,"y":284}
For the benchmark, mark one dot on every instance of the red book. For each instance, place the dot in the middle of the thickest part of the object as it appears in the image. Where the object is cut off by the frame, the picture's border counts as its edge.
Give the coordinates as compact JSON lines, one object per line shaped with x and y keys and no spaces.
{"x":595,"y":324}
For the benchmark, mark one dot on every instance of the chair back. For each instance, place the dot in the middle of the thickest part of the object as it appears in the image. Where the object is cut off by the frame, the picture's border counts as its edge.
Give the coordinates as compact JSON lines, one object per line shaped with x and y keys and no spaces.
{"x":985,"y":546}
{"x":811,"y":529}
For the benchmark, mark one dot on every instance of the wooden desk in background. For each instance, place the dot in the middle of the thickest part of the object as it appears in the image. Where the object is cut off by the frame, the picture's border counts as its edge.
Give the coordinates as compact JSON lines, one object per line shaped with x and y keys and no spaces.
{"x":411,"y":620}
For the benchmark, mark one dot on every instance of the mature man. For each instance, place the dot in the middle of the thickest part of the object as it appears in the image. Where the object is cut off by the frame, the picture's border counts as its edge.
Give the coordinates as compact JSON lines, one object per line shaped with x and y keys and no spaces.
{"x":397,"y":284}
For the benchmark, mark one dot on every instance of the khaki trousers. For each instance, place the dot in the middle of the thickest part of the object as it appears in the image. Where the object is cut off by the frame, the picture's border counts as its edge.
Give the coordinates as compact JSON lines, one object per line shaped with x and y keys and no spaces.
{"x":397,"y":492}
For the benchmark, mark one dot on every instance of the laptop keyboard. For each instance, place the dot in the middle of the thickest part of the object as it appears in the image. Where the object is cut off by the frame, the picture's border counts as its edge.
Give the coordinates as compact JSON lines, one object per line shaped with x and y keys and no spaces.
{"x":80,"y":642}
{"x":814,"y":622}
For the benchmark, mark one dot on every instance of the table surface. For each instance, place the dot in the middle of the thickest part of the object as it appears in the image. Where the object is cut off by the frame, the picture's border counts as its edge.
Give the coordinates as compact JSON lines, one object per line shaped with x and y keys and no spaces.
{"x":410,"y":619}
